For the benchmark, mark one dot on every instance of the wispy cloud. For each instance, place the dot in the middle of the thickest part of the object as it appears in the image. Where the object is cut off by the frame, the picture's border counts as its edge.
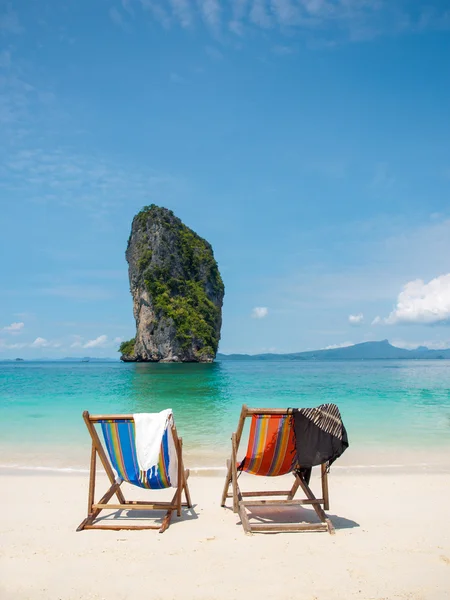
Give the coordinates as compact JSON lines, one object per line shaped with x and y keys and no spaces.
{"x":176,"y":78}
{"x":211,"y":12}
{"x":283,"y":50}
{"x":99,"y":342}
{"x":157,"y":11}
{"x":5,"y":59}
{"x":60,"y":176}
{"x":239,"y":10}
{"x":41,"y":171}
{"x":182,"y":11}
{"x":102,"y":341}
{"x":213,"y":53}
{"x":69,"y":344}
{"x":118,"y":19}
{"x":259,"y":14}
{"x":14,"y":328}
{"x":77,"y":292}
{"x":9,"y":21}
{"x":383,"y":179}
{"x":5,"y":345}
{"x":342,"y":20}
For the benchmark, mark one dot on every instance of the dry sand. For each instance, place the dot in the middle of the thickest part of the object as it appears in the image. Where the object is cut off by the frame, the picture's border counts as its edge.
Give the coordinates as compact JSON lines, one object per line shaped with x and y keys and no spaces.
{"x":392,"y":541}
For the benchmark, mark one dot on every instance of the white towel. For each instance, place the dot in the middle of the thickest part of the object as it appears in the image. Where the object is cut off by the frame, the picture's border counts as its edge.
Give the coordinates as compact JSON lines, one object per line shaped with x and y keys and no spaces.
{"x":150,"y":428}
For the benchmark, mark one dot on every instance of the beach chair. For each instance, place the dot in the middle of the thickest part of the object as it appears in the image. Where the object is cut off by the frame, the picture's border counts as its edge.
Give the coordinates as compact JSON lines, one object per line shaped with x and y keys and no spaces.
{"x":119,"y":440}
{"x":271,"y":452}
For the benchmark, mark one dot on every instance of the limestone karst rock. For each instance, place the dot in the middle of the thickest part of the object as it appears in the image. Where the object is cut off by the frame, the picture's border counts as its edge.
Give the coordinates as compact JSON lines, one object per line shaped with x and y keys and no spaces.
{"x":177,"y":291}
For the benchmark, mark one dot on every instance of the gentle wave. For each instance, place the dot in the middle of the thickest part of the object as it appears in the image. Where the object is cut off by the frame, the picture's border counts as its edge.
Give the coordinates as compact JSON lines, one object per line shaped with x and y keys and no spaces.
{"x":41,"y":468}
{"x":208,"y":469}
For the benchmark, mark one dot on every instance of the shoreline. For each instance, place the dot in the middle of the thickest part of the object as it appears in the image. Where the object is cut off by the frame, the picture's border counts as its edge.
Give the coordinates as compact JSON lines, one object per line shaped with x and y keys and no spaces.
{"x":59,"y":460}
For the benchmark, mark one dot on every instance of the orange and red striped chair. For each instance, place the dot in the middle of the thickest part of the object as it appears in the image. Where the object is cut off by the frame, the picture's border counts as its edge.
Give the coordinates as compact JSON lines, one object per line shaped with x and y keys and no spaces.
{"x":271,"y":451}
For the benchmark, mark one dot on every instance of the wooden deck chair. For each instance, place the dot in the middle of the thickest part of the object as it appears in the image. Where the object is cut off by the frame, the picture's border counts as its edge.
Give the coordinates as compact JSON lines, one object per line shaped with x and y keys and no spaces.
{"x":119,"y":437}
{"x":271,"y":452}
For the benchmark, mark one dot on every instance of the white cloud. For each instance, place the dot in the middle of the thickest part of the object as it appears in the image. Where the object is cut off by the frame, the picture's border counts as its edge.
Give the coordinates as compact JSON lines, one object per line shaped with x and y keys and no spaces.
{"x":377,"y":321}
{"x":259,"y":312}
{"x":40,"y":342}
{"x":356,"y":319}
{"x":14,"y":328}
{"x":421,"y":302}
{"x":99,"y":342}
{"x":335,"y":346}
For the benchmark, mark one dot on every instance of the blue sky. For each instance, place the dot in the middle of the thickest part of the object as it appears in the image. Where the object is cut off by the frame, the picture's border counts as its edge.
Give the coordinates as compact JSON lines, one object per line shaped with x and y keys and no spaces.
{"x":308,"y":141}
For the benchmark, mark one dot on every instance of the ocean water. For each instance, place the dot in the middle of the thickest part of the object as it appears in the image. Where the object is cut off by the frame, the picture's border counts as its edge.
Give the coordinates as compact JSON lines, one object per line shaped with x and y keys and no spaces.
{"x":389,"y":407}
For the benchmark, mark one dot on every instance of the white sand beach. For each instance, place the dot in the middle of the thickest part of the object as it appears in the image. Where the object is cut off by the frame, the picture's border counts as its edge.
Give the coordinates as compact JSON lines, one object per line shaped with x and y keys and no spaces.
{"x":392,"y":541}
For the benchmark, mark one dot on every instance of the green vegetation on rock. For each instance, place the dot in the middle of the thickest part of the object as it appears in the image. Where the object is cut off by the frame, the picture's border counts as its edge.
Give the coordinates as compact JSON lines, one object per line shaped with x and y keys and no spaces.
{"x":127,"y":348}
{"x":177,"y":286}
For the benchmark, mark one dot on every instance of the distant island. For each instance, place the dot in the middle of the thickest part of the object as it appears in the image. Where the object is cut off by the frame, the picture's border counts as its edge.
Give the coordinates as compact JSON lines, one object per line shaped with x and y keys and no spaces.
{"x":76,"y":359}
{"x":365,"y":351}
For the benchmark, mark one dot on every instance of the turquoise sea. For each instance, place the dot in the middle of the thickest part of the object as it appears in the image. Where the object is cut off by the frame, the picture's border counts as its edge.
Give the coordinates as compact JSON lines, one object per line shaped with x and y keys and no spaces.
{"x":390,"y":408}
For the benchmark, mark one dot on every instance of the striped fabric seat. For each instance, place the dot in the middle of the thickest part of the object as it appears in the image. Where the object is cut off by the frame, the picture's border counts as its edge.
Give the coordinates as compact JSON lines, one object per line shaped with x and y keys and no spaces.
{"x":119,"y":437}
{"x":271,"y":446}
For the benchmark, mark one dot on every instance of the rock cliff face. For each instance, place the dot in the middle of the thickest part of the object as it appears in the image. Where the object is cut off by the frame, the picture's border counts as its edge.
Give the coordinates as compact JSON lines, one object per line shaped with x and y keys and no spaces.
{"x":177,"y":291}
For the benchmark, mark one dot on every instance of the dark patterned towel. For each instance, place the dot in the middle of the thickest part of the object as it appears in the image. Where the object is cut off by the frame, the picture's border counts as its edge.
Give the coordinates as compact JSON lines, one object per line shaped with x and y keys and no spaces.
{"x":320,"y":435}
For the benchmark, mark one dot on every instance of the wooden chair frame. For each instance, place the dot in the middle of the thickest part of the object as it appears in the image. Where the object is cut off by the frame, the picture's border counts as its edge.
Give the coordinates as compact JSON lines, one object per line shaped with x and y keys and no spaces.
{"x":240,"y":505}
{"x":94,"y":508}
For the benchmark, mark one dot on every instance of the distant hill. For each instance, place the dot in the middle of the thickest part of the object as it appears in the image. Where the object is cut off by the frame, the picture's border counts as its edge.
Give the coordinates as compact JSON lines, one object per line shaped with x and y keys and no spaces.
{"x":66,"y":359}
{"x":366,"y":351}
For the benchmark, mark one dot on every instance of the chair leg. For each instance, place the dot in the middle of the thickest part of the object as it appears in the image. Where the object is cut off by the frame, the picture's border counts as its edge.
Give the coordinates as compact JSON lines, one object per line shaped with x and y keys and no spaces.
{"x":234,"y":474}
{"x":186,"y":489}
{"x":325,"y":495}
{"x":319,"y":510}
{"x":180,"y":476}
{"x":166,"y":521}
{"x":244,"y":519}
{"x":294,"y":489}
{"x":226,"y":486}
{"x":93,"y":513}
